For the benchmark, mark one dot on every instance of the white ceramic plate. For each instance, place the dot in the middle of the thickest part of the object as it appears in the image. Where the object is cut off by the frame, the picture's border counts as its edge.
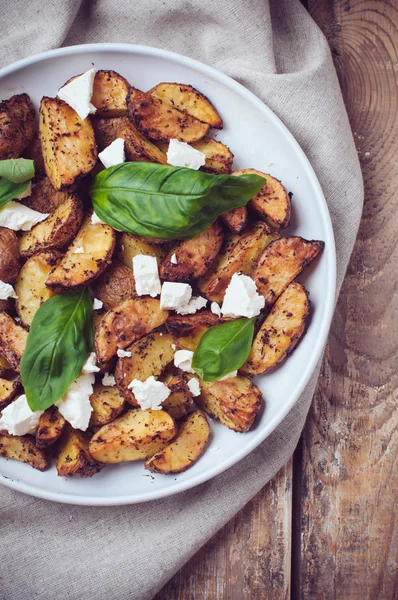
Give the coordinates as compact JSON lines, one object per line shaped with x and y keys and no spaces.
{"x":258,"y":139}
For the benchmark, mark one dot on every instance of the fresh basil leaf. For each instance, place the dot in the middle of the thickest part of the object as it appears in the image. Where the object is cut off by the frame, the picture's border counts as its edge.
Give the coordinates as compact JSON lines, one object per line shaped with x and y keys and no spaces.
{"x":160,"y":201}
{"x":60,"y":339}
{"x":17,"y":170}
{"x":223,"y":349}
{"x":10,"y":190}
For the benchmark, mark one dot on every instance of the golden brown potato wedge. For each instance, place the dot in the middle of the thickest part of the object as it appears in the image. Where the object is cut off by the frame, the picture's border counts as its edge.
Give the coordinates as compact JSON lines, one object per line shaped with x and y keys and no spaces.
{"x":281,"y":262}
{"x":107,"y":403}
{"x":281,"y":331}
{"x":5,"y":368}
{"x":50,"y":428}
{"x":132,"y":245}
{"x":136,"y":435}
{"x":12,"y":340}
{"x":149,"y":356}
{"x":187,"y":99}
{"x":55,"y":231}
{"x":31,"y":286}
{"x":187,"y":447}
{"x":272,"y":203}
{"x":72,"y":457}
{"x":239,"y":254}
{"x":115,"y":285}
{"x":194,"y":257}
{"x":127,"y":322}
{"x":236,"y":219}
{"x":34,"y":152}
{"x":180,"y":402}
{"x":110,"y":94}
{"x":9,"y":256}
{"x":136,"y":146}
{"x":8,"y":391}
{"x":78,"y":269}
{"x":17,"y":125}
{"x":188,"y":329}
{"x":23,"y":449}
{"x":234,"y":402}
{"x":45,"y":198}
{"x":160,"y":122}
{"x":67,"y":141}
{"x":219,"y":158}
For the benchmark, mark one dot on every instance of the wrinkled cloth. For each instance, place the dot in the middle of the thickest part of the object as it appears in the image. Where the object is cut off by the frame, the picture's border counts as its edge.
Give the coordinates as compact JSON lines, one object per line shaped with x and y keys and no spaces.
{"x":273,"y":48}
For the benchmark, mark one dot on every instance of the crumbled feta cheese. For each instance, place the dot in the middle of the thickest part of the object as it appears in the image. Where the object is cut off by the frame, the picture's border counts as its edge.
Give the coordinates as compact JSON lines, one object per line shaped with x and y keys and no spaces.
{"x":96,"y":220}
{"x":150,"y":393}
{"x":173,"y":347}
{"x":173,"y":259}
{"x":193,"y":306}
{"x":183,"y":360}
{"x":215,"y":308}
{"x":228,"y":376}
{"x":90,"y":366}
{"x":97,"y":304}
{"x":113,"y":154}
{"x":146,"y":275}
{"x":79,"y":250}
{"x":77,"y":93}
{"x":18,"y":419}
{"x":6,"y":291}
{"x":25,"y":194}
{"x":18,"y":217}
{"x":175,"y":295}
{"x":75,"y":404}
{"x":108,"y":380}
{"x":194,"y":386}
{"x":123,"y":353}
{"x":241,"y":298}
{"x":181,"y":154}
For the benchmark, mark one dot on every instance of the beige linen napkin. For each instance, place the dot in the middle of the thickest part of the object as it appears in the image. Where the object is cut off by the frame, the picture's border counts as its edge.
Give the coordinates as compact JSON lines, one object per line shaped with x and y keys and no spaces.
{"x":51,"y":550}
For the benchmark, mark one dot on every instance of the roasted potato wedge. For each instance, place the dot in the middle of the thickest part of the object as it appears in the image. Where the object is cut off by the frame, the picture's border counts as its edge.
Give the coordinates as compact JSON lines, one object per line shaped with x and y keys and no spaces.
{"x":78,"y":269}
{"x":219,"y":158}
{"x":126,"y":323}
{"x":149,"y":356}
{"x":194,"y":257}
{"x":55,"y":231}
{"x":272,"y":203}
{"x":45,"y":198}
{"x":31,"y":286}
{"x":234,"y":402}
{"x":188,"y":329}
{"x":12,"y":340}
{"x":160,"y":122}
{"x":180,"y":401}
{"x":115,"y":285}
{"x":240,"y":253}
{"x":9,"y":256}
{"x":23,"y":449}
{"x":110,"y":94}
{"x":280,"y":263}
{"x":5,"y":368}
{"x":236,"y":219}
{"x":136,"y":146}
{"x":132,"y":245}
{"x":187,"y":99}
{"x":17,"y":125}
{"x":72,"y":457}
{"x":50,"y":428}
{"x":136,"y":435}
{"x":8,"y":391}
{"x":67,"y":141}
{"x":281,"y":331}
{"x":107,"y":403}
{"x":187,"y":447}
{"x":34,"y":152}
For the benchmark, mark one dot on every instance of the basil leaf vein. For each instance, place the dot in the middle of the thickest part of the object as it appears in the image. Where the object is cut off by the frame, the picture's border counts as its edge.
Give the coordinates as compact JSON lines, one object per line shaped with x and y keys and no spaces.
{"x":17,"y":170}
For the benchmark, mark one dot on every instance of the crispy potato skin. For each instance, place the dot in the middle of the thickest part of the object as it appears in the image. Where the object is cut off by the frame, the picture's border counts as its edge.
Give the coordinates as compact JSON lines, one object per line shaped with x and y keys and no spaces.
{"x":50,"y":428}
{"x":149,"y":356}
{"x":136,"y":146}
{"x":115,"y":285}
{"x":281,"y":262}
{"x":133,"y":245}
{"x":17,"y":125}
{"x":240,"y":253}
{"x":45,"y":198}
{"x":187,"y":99}
{"x":194,"y":257}
{"x":9,"y":256}
{"x":180,"y":401}
{"x":12,"y":340}
{"x":281,"y":331}
{"x":161,"y":122}
{"x":72,"y":457}
{"x":23,"y":449}
{"x":34,"y":152}
{"x":234,"y":402}
{"x":236,"y":219}
{"x":187,"y":447}
{"x":127,"y":322}
{"x":8,"y":391}
{"x":76,"y":270}
{"x":107,"y":404}
{"x":67,"y":141}
{"x":136,"y":435}
{"x":188,"y":329}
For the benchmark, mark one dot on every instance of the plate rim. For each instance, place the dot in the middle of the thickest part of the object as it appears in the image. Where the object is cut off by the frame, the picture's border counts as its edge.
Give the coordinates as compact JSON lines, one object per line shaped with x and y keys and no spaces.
{"x":330,"y":297}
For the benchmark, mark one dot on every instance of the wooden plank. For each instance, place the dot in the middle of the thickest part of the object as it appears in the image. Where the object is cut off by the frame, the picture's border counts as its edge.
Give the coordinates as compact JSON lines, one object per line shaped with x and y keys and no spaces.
{"x":249,"y":559}
{"x":349,"y":485}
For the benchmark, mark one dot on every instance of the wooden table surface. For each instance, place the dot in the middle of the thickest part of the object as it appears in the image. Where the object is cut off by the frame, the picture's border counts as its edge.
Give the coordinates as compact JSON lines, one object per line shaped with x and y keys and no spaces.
{"x":326,"y":526}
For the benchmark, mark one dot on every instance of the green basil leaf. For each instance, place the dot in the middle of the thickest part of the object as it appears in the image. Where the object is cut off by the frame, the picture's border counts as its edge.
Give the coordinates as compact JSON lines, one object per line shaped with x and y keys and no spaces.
{"x":223,"y":349}
{"x":10,"y":190}
{"x":60,"y":339}
{"x":17,"y":170}
{"x":160,"y":201}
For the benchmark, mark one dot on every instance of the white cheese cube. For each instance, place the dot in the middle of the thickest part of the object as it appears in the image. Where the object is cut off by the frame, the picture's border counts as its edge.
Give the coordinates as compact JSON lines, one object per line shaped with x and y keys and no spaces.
{"x":146,"y":275}
{"x":181,"y":154}
{"x":149,"y":393}
{"x":6,"y":291}
{"x":18,"y":419}
{"x":183,"y":360}
{"x":18,"y":217}
{"x":194,"y":386}
{"x":113,"y":154}
{"x":174,"y":295}
{"x":77,"y":93}
{"x":241,"y":298}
